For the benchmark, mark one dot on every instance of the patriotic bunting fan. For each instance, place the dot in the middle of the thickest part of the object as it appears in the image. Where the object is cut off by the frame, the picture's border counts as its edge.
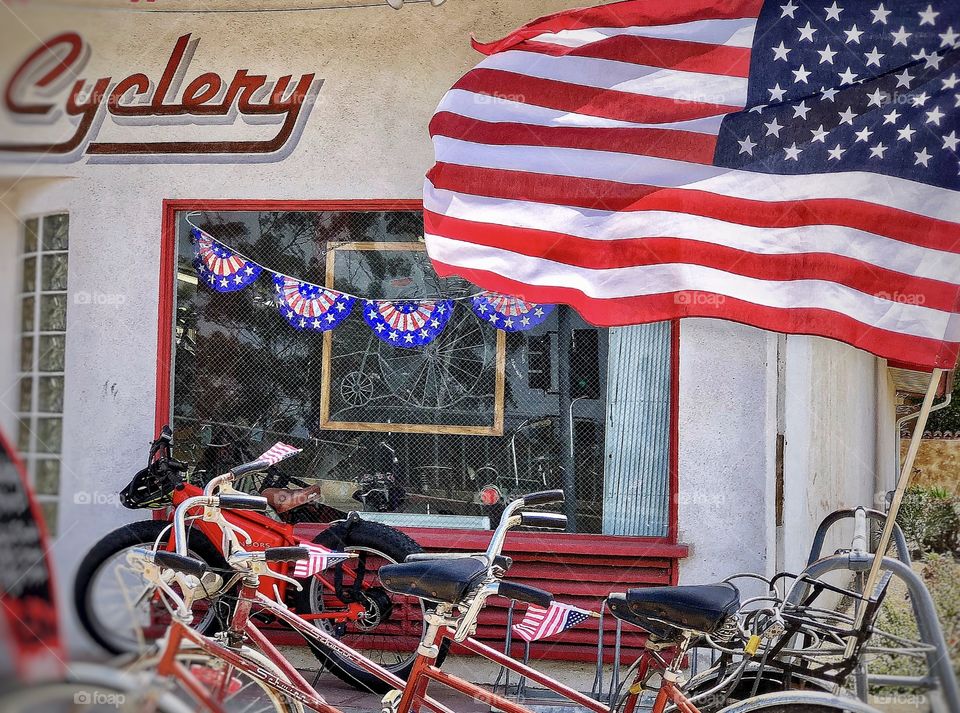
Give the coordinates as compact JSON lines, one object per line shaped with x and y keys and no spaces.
{"x":218,"y":267}
{"x":310,"y":307}
{"x":509,"y":313}
{"x":407,"y":323}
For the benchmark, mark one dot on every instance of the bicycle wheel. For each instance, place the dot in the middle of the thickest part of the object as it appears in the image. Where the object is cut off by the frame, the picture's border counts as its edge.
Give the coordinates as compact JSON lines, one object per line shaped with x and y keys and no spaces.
{"x":393,"y":624}
{"x":90,"y":689}
{"x":233,"y":689}
{"x":116,"y":607}
{"x":797,"y":702}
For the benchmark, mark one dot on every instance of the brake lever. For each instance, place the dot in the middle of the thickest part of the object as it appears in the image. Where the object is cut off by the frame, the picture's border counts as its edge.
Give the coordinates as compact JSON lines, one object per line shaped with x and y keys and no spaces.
{"x":154,"y":574}
{"x":250,"y":563}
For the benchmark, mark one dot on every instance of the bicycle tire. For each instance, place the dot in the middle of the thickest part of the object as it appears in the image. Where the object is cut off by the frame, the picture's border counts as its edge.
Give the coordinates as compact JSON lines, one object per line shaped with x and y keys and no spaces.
{"x":369,"y":536}
{"x":191,"y":656}
{"x":138,"y":534}
{"x":92,"y":689}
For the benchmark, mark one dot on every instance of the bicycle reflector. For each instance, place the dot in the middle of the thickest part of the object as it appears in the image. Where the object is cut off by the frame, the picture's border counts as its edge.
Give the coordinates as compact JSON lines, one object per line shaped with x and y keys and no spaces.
{"x":490,"y":495}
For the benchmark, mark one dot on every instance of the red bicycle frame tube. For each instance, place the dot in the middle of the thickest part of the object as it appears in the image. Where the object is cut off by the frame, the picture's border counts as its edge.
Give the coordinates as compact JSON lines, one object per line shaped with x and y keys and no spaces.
{"x":414,"y":697}
{"x":266,"y":533}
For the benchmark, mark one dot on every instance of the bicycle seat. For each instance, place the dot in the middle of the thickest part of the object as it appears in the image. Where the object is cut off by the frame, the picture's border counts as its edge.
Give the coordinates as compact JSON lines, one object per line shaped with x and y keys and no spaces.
{"x":446,"y":581}
{"x":668,"y":611}
{"x":285,"y":499}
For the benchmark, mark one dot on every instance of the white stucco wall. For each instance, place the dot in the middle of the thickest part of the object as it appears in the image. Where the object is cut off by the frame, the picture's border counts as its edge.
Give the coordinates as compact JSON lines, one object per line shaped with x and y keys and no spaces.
{"x":830,"y":450}
{"x":727,"y":448}
{"x":383,"y":72}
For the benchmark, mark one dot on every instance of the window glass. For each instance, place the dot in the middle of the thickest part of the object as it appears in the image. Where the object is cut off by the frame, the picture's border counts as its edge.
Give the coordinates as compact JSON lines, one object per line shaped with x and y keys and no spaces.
{"x":43,"y":321}
{"x":29,"y":282}
{"x":54,"y":272}
{"x":55,"y":232}
{"x":422,"y":435}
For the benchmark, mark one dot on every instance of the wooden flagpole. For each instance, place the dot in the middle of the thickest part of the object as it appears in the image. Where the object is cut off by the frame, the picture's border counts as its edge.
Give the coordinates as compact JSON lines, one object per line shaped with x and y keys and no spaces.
{"x":906,"y":473}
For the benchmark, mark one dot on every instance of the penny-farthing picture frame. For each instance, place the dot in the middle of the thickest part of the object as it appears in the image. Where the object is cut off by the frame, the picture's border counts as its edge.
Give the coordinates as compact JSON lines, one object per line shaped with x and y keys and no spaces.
{"x":453,"y":384}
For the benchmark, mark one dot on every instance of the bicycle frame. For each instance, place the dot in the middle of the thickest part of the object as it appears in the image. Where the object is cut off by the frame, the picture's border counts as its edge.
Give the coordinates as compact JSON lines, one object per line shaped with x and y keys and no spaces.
{"x":266,"y":533}
{"x":414,"y":698}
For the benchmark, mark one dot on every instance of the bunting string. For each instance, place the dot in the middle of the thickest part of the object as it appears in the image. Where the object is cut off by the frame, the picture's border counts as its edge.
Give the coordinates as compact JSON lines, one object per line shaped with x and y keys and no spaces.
{"x":405,"y":323}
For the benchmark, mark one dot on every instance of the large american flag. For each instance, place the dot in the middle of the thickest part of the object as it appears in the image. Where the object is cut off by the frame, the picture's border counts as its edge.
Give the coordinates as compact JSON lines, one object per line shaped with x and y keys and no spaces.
{"x":539,"y":623}
{"x":792,"y":165}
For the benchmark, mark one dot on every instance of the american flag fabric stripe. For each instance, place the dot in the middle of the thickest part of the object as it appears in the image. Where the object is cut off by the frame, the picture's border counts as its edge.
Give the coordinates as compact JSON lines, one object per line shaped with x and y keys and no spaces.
{"x":320,"y":559}
{"x":279,"y":452}
{"x":539,"y":623}
{"x":793,"y":166}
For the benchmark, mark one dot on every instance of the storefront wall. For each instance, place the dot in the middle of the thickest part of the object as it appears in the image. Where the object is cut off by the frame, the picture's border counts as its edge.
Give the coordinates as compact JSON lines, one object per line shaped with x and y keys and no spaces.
{"x":382,"y":74}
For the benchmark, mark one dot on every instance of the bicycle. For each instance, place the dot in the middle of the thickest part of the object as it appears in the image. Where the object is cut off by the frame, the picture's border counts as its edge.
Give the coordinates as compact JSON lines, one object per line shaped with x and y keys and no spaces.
{"x":458,"y":586}
{"x":347,"y":600}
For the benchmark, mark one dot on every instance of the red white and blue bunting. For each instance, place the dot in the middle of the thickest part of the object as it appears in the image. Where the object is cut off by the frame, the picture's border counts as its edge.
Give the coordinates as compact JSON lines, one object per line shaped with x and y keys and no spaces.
{"x":408,"y":324}
{"x":310,"y":307}
{"x":510,"y":314}
{"x":218,"y":267}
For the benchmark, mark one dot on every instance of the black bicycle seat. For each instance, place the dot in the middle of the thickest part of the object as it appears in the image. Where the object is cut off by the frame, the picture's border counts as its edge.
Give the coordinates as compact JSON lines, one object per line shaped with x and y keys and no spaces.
{"x":445,"y":580}
{"x":667,"y":611}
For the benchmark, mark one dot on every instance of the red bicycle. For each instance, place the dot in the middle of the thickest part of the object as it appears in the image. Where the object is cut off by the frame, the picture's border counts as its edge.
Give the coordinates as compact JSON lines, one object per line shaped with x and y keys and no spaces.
{"x":125,"y":614}
{"x":213,"y":672}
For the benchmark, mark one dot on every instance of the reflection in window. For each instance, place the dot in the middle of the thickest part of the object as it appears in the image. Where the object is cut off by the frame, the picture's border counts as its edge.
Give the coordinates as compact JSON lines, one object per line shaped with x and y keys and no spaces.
{"x":43,"y":322}
{"x":416,"y":437}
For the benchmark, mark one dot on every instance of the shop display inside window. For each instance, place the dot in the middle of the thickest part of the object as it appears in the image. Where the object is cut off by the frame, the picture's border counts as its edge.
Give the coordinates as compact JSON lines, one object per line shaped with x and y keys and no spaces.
{"x":419,"y":400}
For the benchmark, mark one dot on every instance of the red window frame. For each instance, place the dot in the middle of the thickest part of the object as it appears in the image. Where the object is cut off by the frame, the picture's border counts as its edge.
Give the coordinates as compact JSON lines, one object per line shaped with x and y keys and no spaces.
{"x":665,"y":547}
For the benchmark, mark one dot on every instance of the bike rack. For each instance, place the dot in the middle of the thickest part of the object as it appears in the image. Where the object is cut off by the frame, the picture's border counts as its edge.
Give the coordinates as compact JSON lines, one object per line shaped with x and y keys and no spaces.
{"x":940,"y":671}
{"x":858,"y":559}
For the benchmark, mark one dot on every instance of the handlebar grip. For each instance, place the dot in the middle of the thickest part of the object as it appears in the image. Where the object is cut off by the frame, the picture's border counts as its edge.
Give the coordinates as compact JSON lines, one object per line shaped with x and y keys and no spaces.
{"x":179,"y":563}
{"x":286,"y":554}
{"x":525,"y":593}
{"x":251,"y":467}
{"x":543,"y":520}
{"x":544,"y":497}
{"x":243,"y":502}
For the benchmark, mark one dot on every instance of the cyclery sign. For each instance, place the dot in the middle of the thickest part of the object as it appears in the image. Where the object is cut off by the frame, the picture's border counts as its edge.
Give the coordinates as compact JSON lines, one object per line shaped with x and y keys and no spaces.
{"x":163,"y":116}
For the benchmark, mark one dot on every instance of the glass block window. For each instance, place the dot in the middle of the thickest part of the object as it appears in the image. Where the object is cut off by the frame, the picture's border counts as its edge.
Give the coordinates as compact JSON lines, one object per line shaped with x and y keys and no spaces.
{"x":43,"y":322}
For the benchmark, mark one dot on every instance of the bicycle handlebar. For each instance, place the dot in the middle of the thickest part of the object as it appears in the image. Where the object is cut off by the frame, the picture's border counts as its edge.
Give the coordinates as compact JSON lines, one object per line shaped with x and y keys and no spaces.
{"x":543,"y":520}
{"x":251,"y":467}
{"x":243,"y":502}
{"x":180,"y":563}
{"x":545,"y":497}
{"x":286,"y":554}
{"x":525,"y":593}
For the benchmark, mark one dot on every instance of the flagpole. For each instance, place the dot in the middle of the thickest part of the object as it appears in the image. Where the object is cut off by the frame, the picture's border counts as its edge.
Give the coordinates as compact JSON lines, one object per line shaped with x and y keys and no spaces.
{"x":906,"y":473}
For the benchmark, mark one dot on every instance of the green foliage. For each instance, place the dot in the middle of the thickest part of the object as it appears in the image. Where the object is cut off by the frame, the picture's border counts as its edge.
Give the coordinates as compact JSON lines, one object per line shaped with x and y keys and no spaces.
{"x":941,"y":573}
{"x":949,"y":418}
{"x":930,"y":518}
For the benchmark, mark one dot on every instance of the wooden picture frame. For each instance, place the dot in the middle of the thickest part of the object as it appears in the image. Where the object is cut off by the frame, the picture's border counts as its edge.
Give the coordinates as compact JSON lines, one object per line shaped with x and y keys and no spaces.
{"x":496,"y":426}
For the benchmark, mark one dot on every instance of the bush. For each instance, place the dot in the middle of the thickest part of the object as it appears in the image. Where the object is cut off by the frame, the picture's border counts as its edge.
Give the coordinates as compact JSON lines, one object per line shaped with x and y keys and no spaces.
{"x":930,"y":518}
{"x":941,"y":573}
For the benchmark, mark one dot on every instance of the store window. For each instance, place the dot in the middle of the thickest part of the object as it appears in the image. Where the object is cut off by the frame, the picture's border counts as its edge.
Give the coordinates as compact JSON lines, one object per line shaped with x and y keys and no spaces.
{"x":425,"y":434}
{"x":43,"y":323}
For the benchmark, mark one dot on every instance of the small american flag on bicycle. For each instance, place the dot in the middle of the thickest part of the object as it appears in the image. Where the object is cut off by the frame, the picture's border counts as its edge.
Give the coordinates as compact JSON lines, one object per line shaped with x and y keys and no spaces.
{"x":279,"y":452}
{"x":539,"y":623}
{"x":320,"y":559}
